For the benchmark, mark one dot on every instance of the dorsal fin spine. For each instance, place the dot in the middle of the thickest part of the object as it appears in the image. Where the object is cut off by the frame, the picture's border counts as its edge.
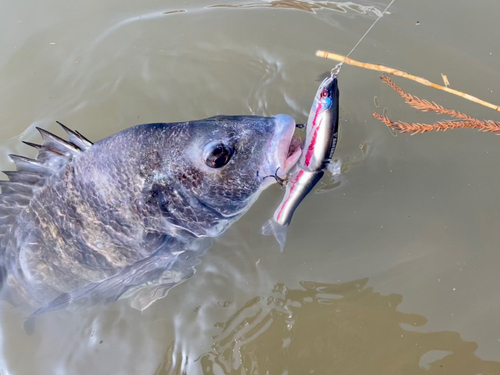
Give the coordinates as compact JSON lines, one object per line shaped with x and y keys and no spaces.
{"x":34,"y":145}
{"x":23,"y":176}
{"x":18,"y":186}
{"x":29,"y":165}
{"x":30,"y":176}
{"x":53,"y":142}
{"x":76,"y":138}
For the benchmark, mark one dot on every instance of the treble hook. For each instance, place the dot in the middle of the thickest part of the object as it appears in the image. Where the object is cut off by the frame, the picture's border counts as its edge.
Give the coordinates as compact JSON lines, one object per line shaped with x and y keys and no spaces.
{"x":281,"y":181}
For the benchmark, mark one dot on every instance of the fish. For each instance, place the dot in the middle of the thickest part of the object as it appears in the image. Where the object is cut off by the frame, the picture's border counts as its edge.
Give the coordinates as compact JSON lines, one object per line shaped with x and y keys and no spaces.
{"x":84,"y":224}
{"x":318,"y":149}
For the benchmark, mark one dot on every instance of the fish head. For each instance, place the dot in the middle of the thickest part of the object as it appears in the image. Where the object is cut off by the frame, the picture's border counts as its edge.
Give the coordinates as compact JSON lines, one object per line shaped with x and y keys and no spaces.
{"x":224,"y":165}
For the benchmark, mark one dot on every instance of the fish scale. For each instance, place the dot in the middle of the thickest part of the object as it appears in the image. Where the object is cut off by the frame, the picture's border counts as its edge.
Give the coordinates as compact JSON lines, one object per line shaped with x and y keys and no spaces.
{"x":86,"y":223}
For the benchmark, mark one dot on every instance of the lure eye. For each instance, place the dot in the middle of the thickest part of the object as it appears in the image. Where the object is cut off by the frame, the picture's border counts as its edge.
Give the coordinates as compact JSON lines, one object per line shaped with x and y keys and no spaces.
{"x":324,"y":93}
{"x":326,"y":102}
{"x":217,"y":154}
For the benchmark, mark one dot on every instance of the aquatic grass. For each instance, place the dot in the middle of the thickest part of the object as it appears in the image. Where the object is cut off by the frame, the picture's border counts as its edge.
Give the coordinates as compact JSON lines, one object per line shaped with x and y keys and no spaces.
{"x":464,"y":120}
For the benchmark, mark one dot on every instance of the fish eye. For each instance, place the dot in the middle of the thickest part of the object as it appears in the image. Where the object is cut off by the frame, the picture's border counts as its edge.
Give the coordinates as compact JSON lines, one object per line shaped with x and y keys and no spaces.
{"x":217,"y":154}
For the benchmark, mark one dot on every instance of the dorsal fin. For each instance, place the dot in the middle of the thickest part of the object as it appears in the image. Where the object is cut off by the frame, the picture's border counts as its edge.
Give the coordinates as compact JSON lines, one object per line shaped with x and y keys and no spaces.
{"x":24,"y":164}
{"x":21,"y":187}
{"x":31,"y":174}
{"x":76,"y":138}
{"x":26,"y":177}
{"x":54,"y":143}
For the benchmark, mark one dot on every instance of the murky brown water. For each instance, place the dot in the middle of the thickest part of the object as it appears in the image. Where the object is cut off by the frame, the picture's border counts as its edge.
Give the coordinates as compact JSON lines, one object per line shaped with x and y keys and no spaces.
{"x":393,"y":270}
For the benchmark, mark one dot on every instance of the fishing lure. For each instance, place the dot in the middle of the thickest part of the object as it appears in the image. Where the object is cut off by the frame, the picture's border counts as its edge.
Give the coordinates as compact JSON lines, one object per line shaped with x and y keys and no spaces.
{"x":319,"y":146}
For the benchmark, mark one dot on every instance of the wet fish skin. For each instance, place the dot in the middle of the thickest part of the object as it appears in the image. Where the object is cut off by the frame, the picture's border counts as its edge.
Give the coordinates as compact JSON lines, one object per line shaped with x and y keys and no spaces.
{"x":143,"y":193}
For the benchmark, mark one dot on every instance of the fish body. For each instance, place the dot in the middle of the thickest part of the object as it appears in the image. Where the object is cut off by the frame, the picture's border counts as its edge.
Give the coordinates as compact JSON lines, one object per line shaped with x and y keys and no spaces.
{"x":84,"y":224}
{"x":319,"y":146}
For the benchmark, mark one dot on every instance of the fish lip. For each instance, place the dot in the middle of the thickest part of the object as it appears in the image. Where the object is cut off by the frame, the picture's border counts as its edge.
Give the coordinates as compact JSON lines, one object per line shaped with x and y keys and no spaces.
{"x":294,"y":153}
{"x":284,"y":149}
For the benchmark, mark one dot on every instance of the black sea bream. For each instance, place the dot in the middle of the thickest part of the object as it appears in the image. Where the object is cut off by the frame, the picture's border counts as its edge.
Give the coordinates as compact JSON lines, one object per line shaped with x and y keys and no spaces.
{"x":84,"y":224}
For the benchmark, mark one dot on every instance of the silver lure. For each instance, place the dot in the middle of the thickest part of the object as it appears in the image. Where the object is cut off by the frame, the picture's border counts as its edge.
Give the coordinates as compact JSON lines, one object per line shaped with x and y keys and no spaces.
{"x":319,"y":146}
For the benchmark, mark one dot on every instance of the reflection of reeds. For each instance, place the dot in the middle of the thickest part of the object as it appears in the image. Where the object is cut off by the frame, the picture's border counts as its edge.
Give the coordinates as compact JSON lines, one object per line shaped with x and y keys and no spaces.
{"x":464,"y":121}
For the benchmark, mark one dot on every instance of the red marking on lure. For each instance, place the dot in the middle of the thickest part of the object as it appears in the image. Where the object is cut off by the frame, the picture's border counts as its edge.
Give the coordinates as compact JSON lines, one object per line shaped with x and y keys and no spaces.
{"x":289,"y":195}
{"x":310,"y":149}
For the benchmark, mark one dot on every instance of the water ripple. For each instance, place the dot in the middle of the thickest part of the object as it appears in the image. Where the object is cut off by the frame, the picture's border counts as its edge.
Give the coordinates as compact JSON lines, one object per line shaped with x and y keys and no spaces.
{"x":326,"y":328}
{"x":308,"y":6}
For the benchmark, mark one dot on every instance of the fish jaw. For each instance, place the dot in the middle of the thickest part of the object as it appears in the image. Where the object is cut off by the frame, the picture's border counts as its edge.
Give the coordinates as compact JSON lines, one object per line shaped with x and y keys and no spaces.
{"x":283,"y":149}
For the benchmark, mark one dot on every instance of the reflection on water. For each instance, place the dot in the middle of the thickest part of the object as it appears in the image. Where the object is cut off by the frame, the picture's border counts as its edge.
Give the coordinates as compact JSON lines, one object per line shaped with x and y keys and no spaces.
{"x":330,"y":328}
{"x":307,"y":6}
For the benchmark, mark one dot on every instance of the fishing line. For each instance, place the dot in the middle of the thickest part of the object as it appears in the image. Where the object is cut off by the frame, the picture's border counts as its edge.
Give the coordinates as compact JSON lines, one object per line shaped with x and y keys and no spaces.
{"x":335,"y":71}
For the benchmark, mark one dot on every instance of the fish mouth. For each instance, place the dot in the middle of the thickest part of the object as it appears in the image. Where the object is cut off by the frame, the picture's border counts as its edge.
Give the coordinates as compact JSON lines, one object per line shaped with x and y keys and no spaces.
{"x":294,"y":152}
{"x":284,"y":148}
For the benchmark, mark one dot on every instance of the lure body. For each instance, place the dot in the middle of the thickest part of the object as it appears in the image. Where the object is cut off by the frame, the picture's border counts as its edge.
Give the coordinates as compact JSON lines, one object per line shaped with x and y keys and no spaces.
{"x":322,"y":127}
{"x":319,"y":146}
